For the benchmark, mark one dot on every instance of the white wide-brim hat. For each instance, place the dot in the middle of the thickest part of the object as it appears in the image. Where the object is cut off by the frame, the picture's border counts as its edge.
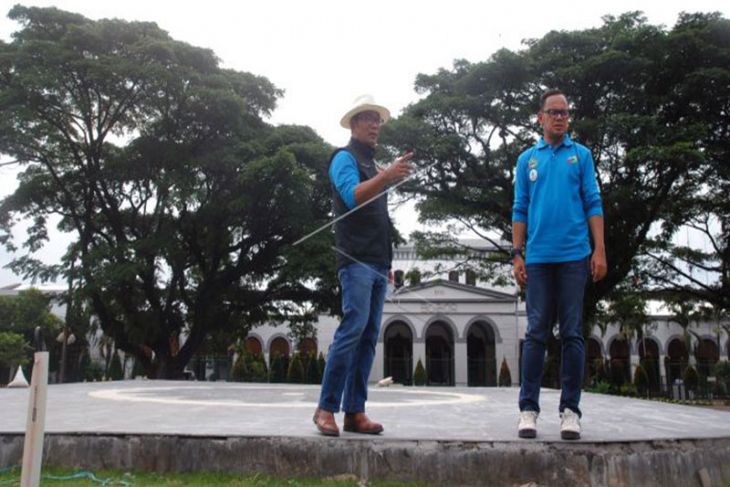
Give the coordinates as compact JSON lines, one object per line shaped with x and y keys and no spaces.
{"x":364,"y":103}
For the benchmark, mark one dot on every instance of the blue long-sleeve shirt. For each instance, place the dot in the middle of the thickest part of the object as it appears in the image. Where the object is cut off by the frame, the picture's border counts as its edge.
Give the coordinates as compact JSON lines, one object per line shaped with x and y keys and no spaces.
{"x":344,"y":175}
{"x":555,"y":194}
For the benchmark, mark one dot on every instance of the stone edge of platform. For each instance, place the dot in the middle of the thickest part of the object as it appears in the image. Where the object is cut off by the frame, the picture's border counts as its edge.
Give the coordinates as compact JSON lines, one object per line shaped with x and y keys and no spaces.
{"x":678,"y":462}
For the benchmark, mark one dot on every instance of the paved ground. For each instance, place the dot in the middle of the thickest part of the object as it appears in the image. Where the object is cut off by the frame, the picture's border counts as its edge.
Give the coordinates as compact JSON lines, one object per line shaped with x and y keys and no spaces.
{"x":412,"y":413}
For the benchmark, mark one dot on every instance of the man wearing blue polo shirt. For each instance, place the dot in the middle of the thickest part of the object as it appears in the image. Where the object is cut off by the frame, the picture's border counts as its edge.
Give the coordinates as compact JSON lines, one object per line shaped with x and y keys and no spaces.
{"x":364,"y":254}
{"x":556,"y":203}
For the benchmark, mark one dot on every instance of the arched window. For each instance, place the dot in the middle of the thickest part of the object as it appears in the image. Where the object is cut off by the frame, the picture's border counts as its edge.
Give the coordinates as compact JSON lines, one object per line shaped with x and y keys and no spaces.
{"x":454,"y":276}
{"x":253,"y":346}
{"x":707,"y":354}
{"x":398,"y":280}
{"x":279,"y":346}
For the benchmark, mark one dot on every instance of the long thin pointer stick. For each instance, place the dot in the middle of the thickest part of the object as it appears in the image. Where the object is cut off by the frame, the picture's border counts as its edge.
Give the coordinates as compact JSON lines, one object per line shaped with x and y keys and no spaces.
{"x":385,"y":191}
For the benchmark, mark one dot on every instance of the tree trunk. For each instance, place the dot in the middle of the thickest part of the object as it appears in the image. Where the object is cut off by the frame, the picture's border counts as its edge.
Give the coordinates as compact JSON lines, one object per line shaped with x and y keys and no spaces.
{"x":169,"y":368}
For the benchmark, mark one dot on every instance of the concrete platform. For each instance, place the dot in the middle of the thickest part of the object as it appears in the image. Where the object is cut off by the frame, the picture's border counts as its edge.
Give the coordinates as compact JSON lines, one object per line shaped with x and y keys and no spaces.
{"x":438,"y":436}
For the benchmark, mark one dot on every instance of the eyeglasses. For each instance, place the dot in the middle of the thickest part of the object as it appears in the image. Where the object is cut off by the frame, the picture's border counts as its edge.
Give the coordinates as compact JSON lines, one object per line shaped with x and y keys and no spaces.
{"x":555,"y":113}
{"x":369,"y":117}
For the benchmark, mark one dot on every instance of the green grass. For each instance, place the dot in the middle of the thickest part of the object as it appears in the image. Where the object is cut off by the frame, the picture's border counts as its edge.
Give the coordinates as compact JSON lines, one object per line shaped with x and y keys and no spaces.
{"x":62,"y":478}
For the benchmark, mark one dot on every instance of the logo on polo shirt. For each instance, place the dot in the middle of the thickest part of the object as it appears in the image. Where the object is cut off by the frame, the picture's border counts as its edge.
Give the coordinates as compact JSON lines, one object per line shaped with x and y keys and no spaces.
{"x":533,"y":163}
{"x":572,"y":159}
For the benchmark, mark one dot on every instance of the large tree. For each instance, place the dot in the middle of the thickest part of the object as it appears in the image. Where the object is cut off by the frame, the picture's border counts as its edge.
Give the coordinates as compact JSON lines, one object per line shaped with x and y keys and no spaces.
{"x":182,"y":200}
{"x":650,"y":103}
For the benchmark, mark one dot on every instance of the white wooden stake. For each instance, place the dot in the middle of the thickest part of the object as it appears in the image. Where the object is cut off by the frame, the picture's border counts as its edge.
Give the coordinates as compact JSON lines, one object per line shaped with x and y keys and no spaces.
{"x":35,"y":425}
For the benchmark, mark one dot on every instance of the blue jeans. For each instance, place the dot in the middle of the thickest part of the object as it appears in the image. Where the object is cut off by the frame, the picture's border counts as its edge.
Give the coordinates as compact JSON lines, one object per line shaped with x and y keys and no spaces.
{"x":350,"y":357}
{"x":554,"y":287}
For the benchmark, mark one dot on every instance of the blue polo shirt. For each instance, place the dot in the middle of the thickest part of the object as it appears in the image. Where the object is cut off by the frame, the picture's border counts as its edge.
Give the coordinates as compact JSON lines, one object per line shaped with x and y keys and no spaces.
{"x":555,"y":194}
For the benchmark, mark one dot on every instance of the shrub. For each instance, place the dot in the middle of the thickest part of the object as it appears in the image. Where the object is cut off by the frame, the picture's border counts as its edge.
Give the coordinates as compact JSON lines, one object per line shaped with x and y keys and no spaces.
{"x":419,"y":376}
{"x":321,"y":364}
{"x":505,"y":377}
{"x":257,"y":371}
{"x":115,"y":368}
{"x":628,"y":389}
{"x":650,"y":367}
{"x":599,"y":374}
{"x":295,"y":374}
{"x":600,"y":387}
{"x":720,"y":389}
{"x":239,"y":373}
{"x":138,"y":370}
{"x":314,"y":376}
{"x":691,"y":378}
{"x":13,"y":349}
{"x":618,"y":372}
{"x":722,"y":372}
{"x":93,"y":372}
{"x":264,"y":377}
{"x":279,"y":366}
{"x":641,"y":380}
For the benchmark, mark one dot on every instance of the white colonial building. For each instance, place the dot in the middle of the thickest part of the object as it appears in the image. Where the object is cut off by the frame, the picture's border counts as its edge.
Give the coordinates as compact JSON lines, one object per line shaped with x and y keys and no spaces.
{"x":461,"y":331}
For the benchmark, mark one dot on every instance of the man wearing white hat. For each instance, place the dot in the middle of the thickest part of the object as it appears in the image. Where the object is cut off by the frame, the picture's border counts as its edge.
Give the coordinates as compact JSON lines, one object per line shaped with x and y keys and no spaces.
{"x":364,"y":254}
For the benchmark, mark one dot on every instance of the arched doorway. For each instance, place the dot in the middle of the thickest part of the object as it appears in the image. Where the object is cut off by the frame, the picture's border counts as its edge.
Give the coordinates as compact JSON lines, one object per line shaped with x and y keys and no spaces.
{"x":439,"y":355}
{"x":595,"y":370}
{"x":398,"y":344}
{"x":279,"y":346}
{"x":620,"y":354}
{"x":278,"y":359}
{"x":649,"y":359}
{"x":707,"y":354}
{"x":480,"y":355}
{"x":253,"y":346}
{"x":676,"y":361}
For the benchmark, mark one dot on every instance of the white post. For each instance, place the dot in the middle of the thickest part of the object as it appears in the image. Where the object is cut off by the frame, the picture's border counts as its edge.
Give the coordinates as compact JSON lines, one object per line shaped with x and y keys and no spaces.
{"x":35,"y":425}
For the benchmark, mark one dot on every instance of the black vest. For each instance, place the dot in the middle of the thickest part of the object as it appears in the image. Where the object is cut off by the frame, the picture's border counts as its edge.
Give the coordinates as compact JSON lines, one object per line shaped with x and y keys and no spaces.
{"x":364,"y":234}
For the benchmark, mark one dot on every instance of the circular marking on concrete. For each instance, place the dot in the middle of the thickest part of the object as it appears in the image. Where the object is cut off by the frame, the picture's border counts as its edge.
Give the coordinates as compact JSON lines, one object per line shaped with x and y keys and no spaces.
{"x":272,"y":397}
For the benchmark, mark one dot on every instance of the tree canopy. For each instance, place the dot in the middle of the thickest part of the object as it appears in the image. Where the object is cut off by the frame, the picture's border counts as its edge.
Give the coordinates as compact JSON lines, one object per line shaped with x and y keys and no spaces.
{"x":20,"y":315}
{"x":182,"y":200}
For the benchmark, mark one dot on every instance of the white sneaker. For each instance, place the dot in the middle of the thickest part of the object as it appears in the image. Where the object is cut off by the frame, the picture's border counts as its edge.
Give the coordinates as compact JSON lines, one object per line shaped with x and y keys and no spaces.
{"x":527,"y":427}
{"x":569,"y":425}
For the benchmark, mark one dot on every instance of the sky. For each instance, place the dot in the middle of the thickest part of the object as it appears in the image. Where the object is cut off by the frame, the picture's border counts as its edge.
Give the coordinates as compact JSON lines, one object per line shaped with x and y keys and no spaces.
{"x":324,"y":54}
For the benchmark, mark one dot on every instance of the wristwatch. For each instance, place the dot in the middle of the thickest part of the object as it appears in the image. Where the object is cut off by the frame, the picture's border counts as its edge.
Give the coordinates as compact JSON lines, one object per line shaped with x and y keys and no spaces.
{"x":516,"y":251}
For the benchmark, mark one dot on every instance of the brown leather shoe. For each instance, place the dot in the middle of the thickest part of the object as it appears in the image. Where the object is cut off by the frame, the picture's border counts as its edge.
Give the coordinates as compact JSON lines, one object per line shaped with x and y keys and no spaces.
{"x":360,"y":423}
{"x":325,"y":422}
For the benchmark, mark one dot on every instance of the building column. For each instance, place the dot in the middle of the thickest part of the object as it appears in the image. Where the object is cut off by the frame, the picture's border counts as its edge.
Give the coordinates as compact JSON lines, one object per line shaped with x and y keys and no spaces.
{"x":663,"y":382}
{"x":460,"y":364}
